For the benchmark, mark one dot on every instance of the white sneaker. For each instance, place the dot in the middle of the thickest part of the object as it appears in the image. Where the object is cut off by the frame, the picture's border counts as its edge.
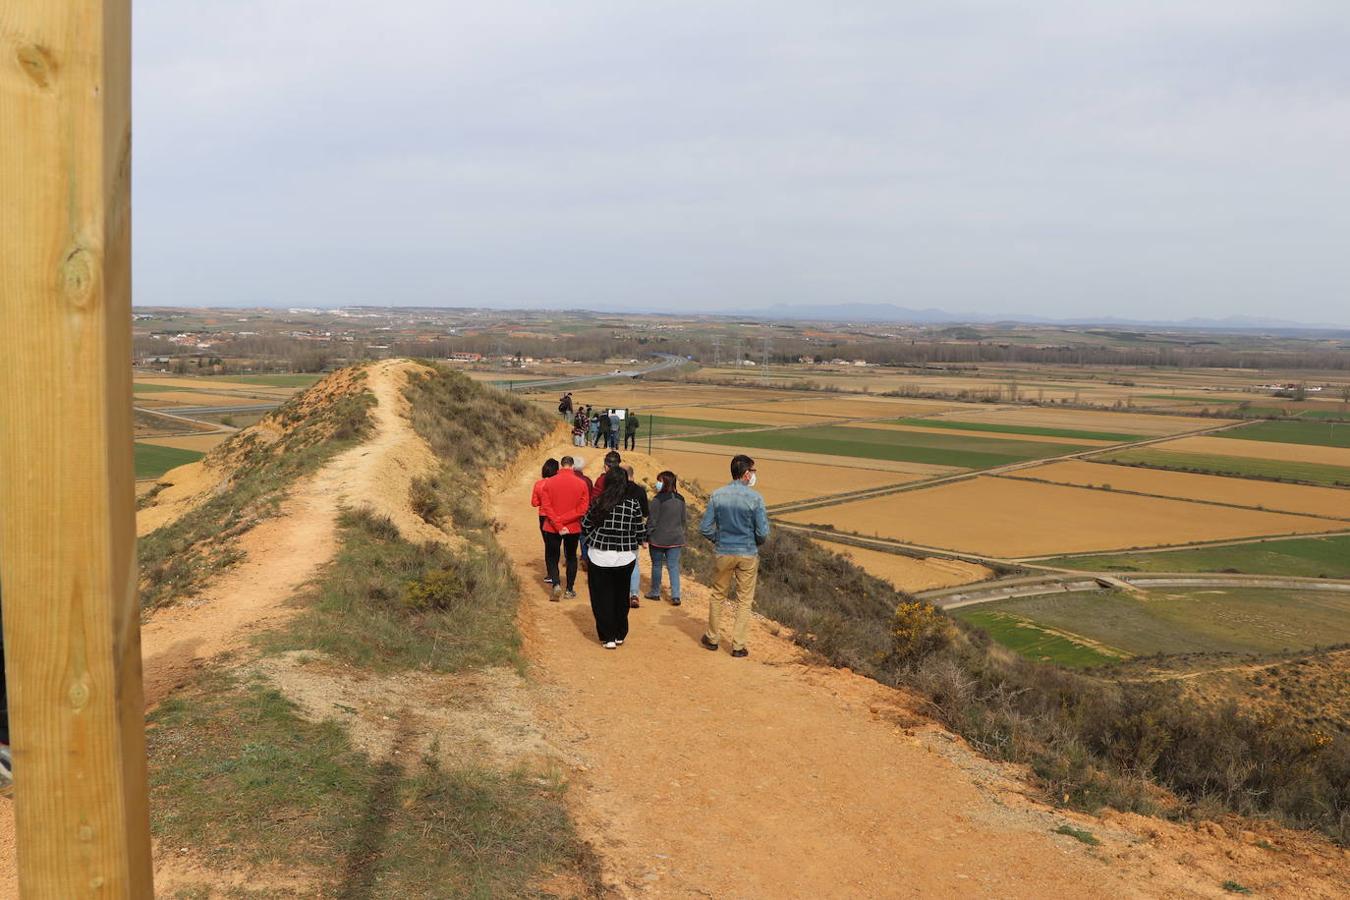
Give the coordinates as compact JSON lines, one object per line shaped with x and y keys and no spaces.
{"x":620,"y":643}
{"x":610,"y":645}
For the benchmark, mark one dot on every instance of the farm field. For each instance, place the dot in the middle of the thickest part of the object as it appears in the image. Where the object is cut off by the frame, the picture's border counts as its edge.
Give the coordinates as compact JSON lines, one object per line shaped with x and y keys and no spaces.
{"x":1239,"y":620}
{"x":692,"y":445}
{"x":1294,"y":498}
{"x":200,"y":443}
{"x":1008,"y":518}
{"x":1023,"y":431}
{"x":1257,"y":449}
{"x":922,"y":426}
{"x":665,"y":425}
{"x":1143,"y":424}
{"x":844,"y":407}
{"x":167,"y":401}
{"x":152,"y":461}
{"x":1238,"y":466}
{"x":780,"y":481}
{"x":764,"y":415}
{"x":875,"y":443}
{"x":1328,"y":434}
{"x":1325,"y":557}
{"x":289,"y":381}
{"x":909,"y":574}
{"x":1039,"y":641}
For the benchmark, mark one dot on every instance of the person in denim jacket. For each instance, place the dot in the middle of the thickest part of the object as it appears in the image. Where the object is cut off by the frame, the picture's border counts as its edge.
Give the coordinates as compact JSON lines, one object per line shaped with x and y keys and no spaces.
{"x":737,"y":522}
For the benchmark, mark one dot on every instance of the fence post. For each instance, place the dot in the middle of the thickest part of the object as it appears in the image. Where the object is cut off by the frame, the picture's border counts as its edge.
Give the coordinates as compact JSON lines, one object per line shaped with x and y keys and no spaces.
{"x":651,"y":425}
{"x":67,"y":533}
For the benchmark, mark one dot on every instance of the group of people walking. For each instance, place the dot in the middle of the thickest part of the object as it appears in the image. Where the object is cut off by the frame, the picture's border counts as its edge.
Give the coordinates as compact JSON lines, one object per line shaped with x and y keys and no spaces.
{"x":600,"y":527}
{"x":599,"y":428}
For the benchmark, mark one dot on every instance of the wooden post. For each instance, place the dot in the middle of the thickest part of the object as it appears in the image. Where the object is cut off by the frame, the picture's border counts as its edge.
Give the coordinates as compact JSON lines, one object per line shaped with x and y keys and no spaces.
{"x":67,"y":519}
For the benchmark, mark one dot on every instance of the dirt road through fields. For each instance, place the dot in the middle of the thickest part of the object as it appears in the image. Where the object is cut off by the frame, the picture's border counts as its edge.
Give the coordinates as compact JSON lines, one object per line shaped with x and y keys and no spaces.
{"x":707,"y":776}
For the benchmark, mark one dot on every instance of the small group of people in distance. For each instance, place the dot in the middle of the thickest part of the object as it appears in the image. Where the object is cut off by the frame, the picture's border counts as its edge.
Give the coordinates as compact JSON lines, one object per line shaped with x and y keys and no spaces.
{"x":599,"y":428}
{"x":600,"y":526}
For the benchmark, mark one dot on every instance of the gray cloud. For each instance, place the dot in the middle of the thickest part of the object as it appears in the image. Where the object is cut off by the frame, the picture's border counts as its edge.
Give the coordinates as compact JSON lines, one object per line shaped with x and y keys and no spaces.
{"x":1151,"y":159}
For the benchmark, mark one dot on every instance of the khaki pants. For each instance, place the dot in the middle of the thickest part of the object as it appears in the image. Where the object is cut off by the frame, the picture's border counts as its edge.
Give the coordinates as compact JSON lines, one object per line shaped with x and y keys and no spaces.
{"x":745,"y":570}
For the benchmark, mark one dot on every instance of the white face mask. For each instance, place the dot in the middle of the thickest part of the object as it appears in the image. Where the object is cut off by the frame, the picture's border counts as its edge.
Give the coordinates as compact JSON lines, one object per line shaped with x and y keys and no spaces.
{"x":659,"y":486}
{"x":754,"y":476}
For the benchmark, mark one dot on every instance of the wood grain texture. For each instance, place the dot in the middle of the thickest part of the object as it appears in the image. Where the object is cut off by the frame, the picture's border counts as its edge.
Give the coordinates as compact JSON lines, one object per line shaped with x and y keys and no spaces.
{"x":67,"y":534}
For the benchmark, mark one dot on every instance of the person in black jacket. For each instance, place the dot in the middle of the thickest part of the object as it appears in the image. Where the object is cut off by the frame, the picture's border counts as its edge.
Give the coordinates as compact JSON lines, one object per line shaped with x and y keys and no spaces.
{"x":615,"y":525}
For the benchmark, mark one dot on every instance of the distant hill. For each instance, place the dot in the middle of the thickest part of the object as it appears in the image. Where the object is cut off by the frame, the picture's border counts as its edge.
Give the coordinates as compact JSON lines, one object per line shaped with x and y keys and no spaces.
{"x":889,"y":312}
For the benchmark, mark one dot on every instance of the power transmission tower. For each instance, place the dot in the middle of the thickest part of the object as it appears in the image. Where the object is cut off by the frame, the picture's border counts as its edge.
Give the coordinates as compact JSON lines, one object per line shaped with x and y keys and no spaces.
{"x":717,"y":351}
{"x":764,"y":359}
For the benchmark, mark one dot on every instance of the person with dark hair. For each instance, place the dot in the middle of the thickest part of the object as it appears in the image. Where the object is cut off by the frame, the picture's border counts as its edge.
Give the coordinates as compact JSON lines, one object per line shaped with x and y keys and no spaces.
{"x":615,"y":525}
{"x":612,"y":460}
{"x":605,"y":424}
{"x":579,"y":466}
{"x":549,"y":469}
{"x":592,"y":428}
{"x":564,"y":499}
{"x":635,"y":580}
{"x":631,"y":424}
{"x":668,"y":522}
{"x":737,"y":522}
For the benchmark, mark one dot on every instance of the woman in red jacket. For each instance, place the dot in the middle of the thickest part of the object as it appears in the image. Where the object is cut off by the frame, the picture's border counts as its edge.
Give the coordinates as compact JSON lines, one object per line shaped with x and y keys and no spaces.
{"x":564,"y":499}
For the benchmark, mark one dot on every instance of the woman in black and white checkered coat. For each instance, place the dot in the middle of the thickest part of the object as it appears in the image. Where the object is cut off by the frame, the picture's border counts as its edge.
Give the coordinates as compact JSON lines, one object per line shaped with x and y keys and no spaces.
{"x":615,"y":526}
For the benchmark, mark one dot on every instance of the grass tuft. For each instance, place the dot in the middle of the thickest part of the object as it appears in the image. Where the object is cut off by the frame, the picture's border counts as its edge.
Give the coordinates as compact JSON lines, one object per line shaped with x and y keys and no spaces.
{"x":1083,"y":836}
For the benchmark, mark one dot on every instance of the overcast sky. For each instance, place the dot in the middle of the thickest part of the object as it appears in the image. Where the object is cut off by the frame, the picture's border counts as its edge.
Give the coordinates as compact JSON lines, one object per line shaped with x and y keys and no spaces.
{"x":1159,"y":159}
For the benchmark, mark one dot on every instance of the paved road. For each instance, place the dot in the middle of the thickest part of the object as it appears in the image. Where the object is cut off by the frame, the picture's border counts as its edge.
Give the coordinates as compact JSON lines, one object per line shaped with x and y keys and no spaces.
{"x":668,"y":361}
{"x":1077,"y":582}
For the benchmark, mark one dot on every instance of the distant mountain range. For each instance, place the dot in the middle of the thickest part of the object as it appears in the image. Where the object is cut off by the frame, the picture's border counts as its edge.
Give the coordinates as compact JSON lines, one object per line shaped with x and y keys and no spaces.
{"x":889,"y":312}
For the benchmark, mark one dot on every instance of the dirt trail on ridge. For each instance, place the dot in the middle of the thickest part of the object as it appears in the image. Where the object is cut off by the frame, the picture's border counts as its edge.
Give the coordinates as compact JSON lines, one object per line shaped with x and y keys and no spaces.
{"x":284,"y":552}
{"x":699,"y":775}
{"x":281,"y":554}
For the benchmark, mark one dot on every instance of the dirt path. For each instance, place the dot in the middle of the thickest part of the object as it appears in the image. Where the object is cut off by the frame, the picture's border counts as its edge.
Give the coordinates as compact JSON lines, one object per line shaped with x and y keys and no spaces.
{"x":704,"y":776}
{"x":281,"y":554}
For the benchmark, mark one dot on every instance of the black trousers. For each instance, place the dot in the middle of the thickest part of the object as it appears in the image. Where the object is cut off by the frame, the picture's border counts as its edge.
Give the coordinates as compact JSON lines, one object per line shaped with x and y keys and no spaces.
{"x":609,"y":599}
{"x":556,"y":545}
{"x":630,"y":440}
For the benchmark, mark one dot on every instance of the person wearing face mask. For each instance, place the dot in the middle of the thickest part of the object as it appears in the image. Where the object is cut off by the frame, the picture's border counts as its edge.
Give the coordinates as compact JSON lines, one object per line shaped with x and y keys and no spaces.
{"x":666,"y":525}
{"x":737,"y":523}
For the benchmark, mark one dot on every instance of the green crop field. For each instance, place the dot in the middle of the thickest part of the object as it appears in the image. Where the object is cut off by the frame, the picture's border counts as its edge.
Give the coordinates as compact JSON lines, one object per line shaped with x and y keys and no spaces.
{"x":1069,"y":433}
{"x":667,"y":425}
{"x":1327,"y":557}
{"x":1329,"y":434}
{"x":138,"y":388}
{"x":875,"y":443}
{"x":1027,"y":638}
{"x":1269,"y":469}
{"x":1341,"y":415}
{"x":153,"y":461}
{"x":273,"y":380}
{"x":1186,"y":620}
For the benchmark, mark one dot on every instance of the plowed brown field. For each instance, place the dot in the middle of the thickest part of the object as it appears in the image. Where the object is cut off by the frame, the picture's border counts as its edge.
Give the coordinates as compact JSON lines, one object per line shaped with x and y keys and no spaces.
{"x":910,"y":574}
{"x":779,"y":481}
{"x":1002,"y":517}
{"x":1295,"y":498}
{"x":826,"y":459}
{"x":1218,"y":446}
